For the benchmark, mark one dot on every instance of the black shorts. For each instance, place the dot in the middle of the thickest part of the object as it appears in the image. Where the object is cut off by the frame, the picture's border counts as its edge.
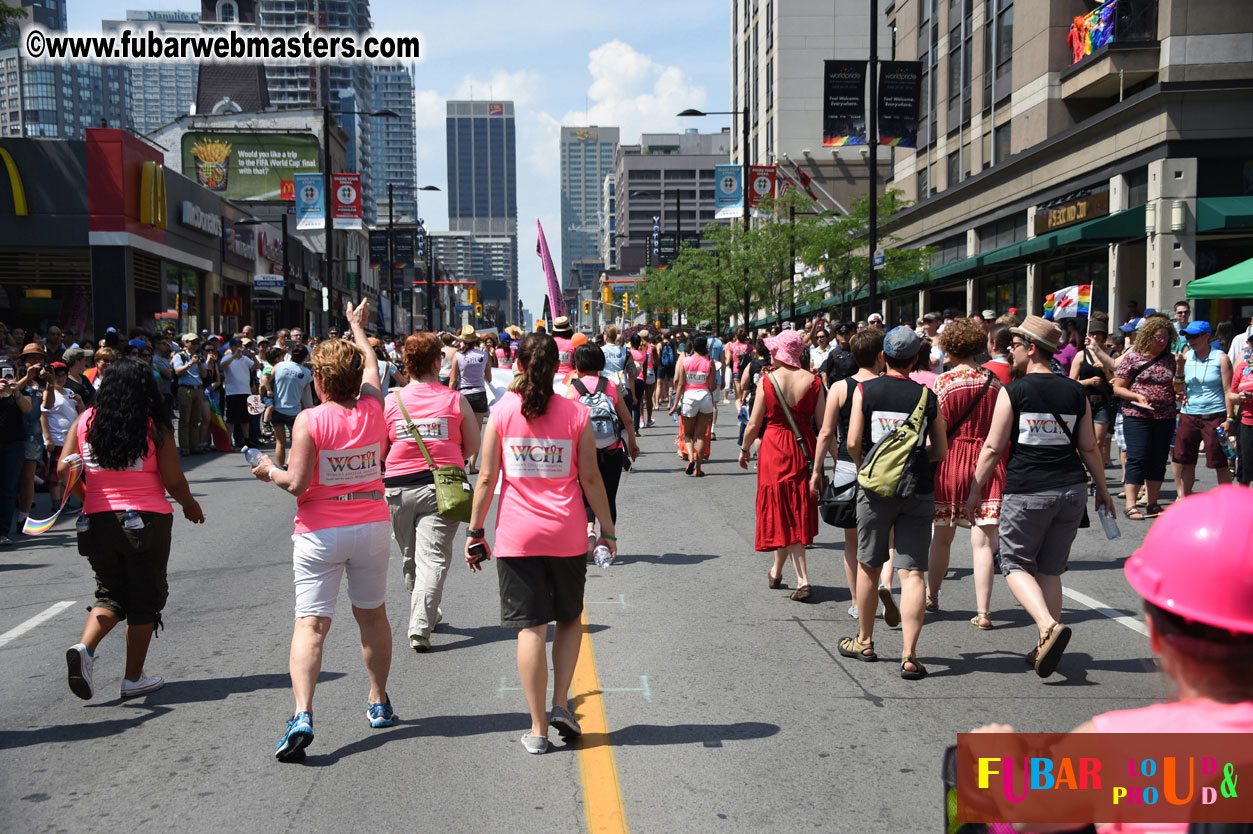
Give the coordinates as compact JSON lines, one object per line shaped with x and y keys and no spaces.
{"x":477,"y":400}
{"x":278,"y":418}
{"x":537,"y":590}
{"x":665,"y":372}
{"x":237,"y":408}
{"x":130,"y":565}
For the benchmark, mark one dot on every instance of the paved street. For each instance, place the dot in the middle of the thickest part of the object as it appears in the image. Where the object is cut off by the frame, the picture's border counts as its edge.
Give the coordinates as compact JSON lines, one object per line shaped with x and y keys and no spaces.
{"x":727,"y":706}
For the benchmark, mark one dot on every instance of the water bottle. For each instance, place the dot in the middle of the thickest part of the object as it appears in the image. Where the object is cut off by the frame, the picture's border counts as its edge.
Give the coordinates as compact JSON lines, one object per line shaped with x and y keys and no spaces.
{"x":252,"y":456}
{"x":83,"y":524}
{"x":1108,"y":523}
{"x":675,"y":415}
{"x":133,"y":521}
{"x":602,"y":556}
{"x":1228,"y":449}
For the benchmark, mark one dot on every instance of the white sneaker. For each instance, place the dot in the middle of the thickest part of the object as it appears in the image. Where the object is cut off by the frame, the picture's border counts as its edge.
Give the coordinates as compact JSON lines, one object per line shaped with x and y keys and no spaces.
{"x":852,"y":611}
{"x":419,"y":643}
{"x":80,"y":662}
{"x":145,"y":684}
{"x":535,"y":744}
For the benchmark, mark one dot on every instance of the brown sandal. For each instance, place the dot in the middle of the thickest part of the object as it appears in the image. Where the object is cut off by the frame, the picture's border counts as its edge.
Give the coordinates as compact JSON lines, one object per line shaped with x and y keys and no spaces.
{"x":919,"y":672}
{"x":801,"y":594}
{"x":849,"y":647}
{"x":774,"y":582}
{"x":980,"y":618}
{"x":1049,"y":652}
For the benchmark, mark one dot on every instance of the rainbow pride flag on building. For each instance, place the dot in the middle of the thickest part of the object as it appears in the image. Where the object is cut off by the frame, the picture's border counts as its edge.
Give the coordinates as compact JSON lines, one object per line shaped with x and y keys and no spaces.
{"x":1069,"y":302}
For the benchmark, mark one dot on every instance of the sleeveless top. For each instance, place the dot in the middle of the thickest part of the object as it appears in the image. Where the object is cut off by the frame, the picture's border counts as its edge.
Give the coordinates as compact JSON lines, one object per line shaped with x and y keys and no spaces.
{"x":1041,"y":455}
{"x":137,"y":487}
{"x":445,"y":368}
{"x":1088,"y":370}
{"x":637,"y":356}
{"x":1203,"y":381}
{"x":471,"y":367}
{"x":349,"y":445}
{"x":699,"y":372}
{"x":436,"y":414}
{"x":541,"y":503}
{"x":737,"y":351}
{"x":615,"y":359}
{"x":503,"y":359}
{"x":846,"y":414}
{"x":565,"y":354}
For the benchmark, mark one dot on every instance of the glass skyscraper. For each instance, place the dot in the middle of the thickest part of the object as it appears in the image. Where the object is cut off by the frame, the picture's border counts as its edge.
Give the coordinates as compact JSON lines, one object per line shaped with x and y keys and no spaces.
{"x":587,"y":156}
{"x":395,"y":148}
{"x":160,"y":91}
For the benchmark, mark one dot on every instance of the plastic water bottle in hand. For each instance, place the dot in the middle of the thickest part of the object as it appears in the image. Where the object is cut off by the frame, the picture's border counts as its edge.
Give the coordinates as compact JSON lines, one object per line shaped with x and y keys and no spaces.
{"x":1108,"y":523}
{"x":602,"y":556}
{"x":1225,"y":442}
{"x":252,"y":456}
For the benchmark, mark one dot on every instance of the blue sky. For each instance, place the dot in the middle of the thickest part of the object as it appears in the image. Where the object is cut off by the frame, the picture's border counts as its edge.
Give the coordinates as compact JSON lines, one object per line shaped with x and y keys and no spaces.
{"x":629,"y":65}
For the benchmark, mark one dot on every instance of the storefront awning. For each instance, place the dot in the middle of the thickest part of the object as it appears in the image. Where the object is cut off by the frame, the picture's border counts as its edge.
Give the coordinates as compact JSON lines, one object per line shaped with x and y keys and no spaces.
{"x":1216,"y":214}
{"x":1232,"y":282}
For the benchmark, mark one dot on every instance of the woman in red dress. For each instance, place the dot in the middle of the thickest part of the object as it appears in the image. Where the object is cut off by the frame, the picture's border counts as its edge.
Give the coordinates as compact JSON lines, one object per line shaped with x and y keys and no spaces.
{"x":967,"y":396}
{"x":787,"y":511}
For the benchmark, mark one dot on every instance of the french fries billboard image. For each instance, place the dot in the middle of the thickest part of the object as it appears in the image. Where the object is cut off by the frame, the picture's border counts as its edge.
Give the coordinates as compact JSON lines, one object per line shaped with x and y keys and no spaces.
{"x":213,"y":158}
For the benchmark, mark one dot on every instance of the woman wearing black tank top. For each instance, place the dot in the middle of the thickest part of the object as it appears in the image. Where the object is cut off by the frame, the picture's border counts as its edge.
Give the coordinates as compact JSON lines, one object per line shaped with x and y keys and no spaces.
{"x":1093,"y":368}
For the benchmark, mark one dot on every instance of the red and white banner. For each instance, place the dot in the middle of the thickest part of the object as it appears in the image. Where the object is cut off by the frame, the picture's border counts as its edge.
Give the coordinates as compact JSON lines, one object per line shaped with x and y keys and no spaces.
{"x":346,"y":201}
{"x":760,"y":185}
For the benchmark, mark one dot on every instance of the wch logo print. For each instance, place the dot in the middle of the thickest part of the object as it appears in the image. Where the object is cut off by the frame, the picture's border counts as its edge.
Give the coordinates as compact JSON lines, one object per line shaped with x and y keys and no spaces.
{"x":1039,"y":428}
{"x":532,"y":457}
{"x":348,"y":466}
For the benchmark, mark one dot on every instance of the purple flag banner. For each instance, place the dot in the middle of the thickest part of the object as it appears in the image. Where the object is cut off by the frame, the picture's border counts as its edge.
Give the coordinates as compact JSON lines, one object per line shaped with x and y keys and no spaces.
{"x":555,"y":302}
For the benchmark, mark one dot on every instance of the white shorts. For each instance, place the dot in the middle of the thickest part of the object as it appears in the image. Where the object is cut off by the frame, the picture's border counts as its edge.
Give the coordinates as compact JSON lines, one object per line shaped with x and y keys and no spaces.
{"x":320,"y":559}
{"x":696,"y":402}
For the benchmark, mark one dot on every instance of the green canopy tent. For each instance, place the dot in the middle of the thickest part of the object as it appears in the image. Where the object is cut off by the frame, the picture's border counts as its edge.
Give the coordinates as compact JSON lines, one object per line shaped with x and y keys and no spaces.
{"x":1233,"y":282}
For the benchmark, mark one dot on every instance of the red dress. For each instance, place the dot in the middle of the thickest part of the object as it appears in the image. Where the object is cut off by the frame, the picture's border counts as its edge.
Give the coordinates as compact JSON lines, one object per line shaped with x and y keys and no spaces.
{"x":786,"y":511}
{"x":956,"y":390}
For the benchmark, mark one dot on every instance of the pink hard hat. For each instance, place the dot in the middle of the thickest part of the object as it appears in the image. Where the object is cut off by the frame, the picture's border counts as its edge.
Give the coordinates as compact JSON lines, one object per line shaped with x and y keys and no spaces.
{"x":1197,"y":559}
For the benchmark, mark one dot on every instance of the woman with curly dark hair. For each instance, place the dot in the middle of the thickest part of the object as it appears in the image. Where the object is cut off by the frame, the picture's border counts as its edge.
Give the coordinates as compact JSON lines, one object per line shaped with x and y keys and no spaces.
{"x":130,"y":461}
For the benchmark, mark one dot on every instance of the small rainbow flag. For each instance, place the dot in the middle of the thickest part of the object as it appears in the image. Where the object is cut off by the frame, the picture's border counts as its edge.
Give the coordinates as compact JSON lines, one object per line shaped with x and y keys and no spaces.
{"x":33,"y":527}
{"x":1069,"y":302}
{"x":218,"y":432}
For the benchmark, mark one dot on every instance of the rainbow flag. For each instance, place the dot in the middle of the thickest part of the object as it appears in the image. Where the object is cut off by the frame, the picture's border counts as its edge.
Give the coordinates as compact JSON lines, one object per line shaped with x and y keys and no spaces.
{"x":218,"y":431}
{"x":33,"y":527}
{"x":1069,"y":302}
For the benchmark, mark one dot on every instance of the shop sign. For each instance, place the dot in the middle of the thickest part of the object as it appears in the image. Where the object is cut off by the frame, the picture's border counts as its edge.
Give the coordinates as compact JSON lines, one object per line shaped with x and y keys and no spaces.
{"x":239,"y":246}
{"x":271,"y":248}
{"x":1070,"y":212}
{"x":201,"y":220}
{"x":232,"y":305}
{"x":268,"y":284}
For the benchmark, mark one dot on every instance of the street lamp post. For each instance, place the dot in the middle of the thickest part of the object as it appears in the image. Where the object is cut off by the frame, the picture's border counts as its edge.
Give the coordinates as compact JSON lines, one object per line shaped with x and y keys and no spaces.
{"x":391,"y":243}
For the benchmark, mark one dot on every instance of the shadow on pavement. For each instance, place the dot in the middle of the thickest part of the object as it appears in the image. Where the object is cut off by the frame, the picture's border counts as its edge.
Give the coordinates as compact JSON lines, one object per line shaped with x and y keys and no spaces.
{"x":1072,"y":671}
{"x":666,"y":558}
{"x":444,"y":726}
{"x":20,"y":566}
{"x":477,"y":636}
{"x":216,"y":689}
{"x":710,"y":735}
{"x":87,"y":731}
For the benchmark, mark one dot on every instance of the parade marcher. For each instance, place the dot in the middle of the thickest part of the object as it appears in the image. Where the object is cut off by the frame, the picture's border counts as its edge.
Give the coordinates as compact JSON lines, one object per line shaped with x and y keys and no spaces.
{"x":130,"y":462}
{"x":1201,"y":631}
{"x":867,"y":351}
{"x":609,"y":419}
{"x":639,"y":358}
{"x":449,"y":354}
{"x":896,"y":527}
{"x":667,"y":359}
{"x":787,"y":503}
{"x":1202,"y":378}
{"x":967,"y":398}
{"x":1093,"y":368}
{"x":540,"y":545}
{"x":342,"y":523}
{"x":290,"y":380}
{"x":563,"y":335}
{"x":470,"y":375}
{"x":449,"y":429}
{"x":695,"y":381}
{"x":1240,"y":395}
{"x":1144,"y":380}
{"x":754,"y":365}
{"x":1045,"y":422}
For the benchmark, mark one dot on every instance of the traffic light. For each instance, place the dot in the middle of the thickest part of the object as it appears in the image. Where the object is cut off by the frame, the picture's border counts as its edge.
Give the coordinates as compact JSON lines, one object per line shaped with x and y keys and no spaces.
{"x":626,"y":303}
{"x":587,"y":308}
{"x":478,"y":311}
{"x":472,"y":295}
{"x":606,"y":294}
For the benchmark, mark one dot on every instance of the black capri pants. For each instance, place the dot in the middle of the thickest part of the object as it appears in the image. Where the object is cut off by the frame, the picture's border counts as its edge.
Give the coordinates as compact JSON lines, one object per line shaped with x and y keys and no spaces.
{"x":130,"y":565}
{"x":1148,"y":442}
{"x":1244,"y":460}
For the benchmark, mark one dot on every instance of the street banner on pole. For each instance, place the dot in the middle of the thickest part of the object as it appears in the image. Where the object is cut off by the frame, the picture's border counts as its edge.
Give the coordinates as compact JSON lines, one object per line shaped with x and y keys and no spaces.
{"x":728,"y":191}
{"x":310,"y":206}
{"x":378,"y":248}
{"x":346,"y":201}
{"x":843,"y":103}
{"x":555,"y":300}
{"x":761,"y":188}
{"x":404,"y":248}
{"x":900,"y":86}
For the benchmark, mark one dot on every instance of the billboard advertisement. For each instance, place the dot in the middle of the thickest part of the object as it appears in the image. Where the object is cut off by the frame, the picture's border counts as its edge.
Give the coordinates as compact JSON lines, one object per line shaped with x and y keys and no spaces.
{"x":843,"y":103}
{"x":247,"y":166}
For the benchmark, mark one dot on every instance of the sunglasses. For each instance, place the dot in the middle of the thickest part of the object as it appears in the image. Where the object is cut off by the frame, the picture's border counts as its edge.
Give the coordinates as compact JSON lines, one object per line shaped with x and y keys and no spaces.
{"x":1161,"y":338}
{"x":1013,"y":345}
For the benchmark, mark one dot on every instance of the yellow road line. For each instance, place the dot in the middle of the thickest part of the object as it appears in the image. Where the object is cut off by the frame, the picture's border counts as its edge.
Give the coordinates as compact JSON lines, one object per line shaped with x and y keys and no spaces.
{"x":602,"y":795}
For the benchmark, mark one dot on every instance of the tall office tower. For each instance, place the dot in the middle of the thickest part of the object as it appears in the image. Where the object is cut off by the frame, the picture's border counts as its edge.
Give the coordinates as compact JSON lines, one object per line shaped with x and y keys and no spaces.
{"x":395,"y":148}
{"x":160,"y":91}
{"x":56,"y":100}
{"x":295,"y":86}
{"x":482,"y":179}
{"x":586,"y":158}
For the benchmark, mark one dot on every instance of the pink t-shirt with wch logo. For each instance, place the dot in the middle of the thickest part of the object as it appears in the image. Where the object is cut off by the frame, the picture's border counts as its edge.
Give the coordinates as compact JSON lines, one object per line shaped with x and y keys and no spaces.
{"x":436,"y":414}
{"x":565,"y":354}
{"x":348,"y":458}
{"x":541,"y":502}
{"x":699,"y":372}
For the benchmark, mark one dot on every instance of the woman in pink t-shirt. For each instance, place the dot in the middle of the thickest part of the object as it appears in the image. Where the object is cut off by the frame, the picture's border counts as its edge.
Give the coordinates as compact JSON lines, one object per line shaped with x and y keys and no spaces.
{"x":1204,"y":640}
{"x":342,"y":523}
{"x":1241,"y":396}
{"x":130,"y":461}
{"x":542,"y":448}
{"x":446,"y":423}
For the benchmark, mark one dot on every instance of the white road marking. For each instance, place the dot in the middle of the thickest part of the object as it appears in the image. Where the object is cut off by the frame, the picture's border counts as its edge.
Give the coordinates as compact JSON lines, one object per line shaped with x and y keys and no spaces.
{"x":14,"y":633}
{"x":1101,"y":608}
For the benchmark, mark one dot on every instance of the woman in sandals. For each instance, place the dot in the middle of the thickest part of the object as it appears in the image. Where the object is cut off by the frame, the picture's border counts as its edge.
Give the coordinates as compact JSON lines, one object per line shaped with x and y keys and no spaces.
{"x":967,"y":397}
{"x":787,"y":505}
{"x":694,"y":383}
{"x":1145,"y":382}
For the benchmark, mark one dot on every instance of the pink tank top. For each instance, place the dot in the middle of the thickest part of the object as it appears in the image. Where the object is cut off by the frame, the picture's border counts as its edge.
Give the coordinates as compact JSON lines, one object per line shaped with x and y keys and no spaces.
{"x":565,"y":355}
{"x":137,"y":487}
{"x":541,"y":503}
{"x":502,"y":359}
{"x":637,"y":356}
{"x":348,"y":446}
{"x":699,"y":371}
{"x":436,"y":414}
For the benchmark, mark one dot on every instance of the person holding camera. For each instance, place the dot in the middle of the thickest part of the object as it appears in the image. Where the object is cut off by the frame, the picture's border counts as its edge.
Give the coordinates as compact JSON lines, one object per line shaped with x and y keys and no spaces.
{"x":540,"y":547}
{"x":342,"y":524}
{"x":236,"y":367}
{"x":187,"y":366}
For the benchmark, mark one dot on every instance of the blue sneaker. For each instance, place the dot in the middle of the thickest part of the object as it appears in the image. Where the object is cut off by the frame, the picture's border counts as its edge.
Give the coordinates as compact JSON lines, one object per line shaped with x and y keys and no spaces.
{"x":299,"y":733}
{"x":381,"y":715}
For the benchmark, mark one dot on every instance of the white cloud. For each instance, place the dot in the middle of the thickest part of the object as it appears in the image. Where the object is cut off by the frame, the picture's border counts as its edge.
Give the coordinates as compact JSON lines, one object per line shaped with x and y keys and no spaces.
{"x":519,"y":87}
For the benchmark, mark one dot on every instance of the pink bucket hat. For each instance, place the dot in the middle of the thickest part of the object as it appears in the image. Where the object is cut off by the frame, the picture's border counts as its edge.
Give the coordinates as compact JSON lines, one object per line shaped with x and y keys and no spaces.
{"x":786,"y":347}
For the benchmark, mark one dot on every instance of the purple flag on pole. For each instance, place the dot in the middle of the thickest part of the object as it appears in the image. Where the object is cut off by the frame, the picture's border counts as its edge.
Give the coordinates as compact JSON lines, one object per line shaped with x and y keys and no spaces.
{"x":555,"y":302}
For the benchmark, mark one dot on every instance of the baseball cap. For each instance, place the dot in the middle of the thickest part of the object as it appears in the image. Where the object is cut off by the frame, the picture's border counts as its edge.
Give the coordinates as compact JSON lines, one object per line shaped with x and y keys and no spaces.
{"x":931,"y":317}
{"x":1132,"y":326}
{"x":73,"y":355}
{"x":110,"y":330}
{"x":1197,"y":327}
{"x":902,"y":343}
{"x":138,"y":343}
{"x":60,"y":366}
{"x":190,"y":337}
{"x":843,"y":327}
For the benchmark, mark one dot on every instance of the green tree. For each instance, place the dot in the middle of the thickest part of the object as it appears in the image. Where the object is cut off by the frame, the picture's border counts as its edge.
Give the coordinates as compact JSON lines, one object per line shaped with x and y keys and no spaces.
{"x":10,"y":16}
